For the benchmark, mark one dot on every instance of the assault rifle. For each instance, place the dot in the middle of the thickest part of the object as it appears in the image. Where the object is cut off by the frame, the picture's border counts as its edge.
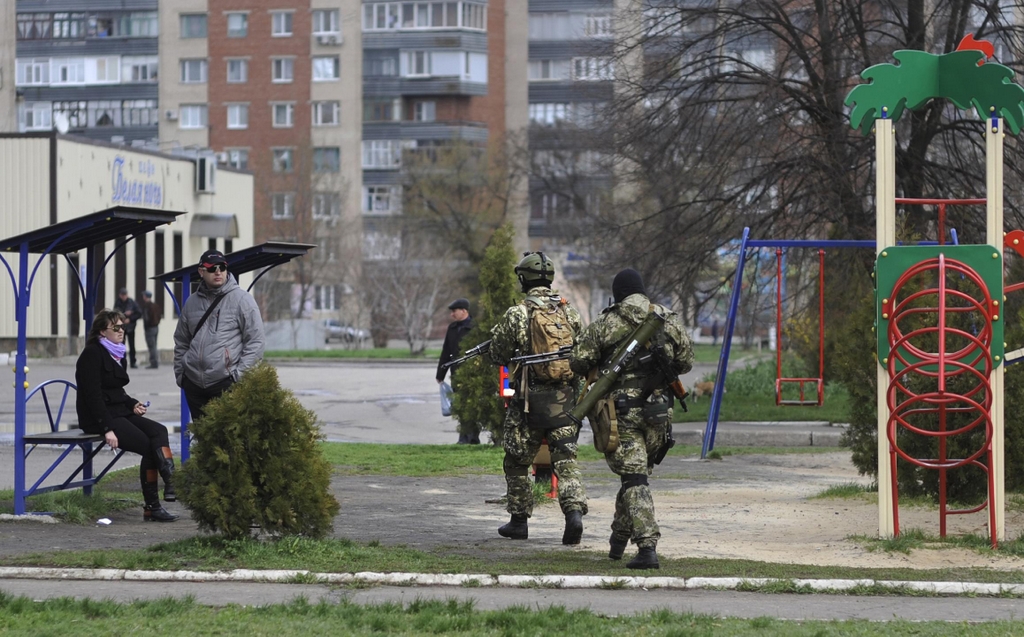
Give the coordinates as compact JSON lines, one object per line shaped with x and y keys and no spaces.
{"x":559,"y":354}
{"x":611,"y":370}
{"x":482,"y":348}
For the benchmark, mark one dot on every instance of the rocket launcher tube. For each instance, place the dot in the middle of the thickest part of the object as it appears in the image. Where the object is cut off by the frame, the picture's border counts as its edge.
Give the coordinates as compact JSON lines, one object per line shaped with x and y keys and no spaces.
{"x":614,"y":367}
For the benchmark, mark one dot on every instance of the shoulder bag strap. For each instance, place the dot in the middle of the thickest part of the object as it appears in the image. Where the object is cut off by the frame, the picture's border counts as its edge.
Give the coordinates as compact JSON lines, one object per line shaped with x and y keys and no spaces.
{"x":209,"y":311}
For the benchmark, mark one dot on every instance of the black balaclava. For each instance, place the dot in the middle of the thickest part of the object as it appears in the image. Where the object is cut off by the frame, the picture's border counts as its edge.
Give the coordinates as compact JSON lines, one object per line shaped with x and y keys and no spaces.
{"x":627,"y":282}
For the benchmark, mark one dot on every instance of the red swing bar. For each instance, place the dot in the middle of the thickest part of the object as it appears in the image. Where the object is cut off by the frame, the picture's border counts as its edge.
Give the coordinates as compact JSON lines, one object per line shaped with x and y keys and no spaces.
{"x":779,"y":380}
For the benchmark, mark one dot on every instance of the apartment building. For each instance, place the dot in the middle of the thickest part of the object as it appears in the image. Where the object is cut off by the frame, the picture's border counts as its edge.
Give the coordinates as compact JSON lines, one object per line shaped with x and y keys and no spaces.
{"x":88,"y":67}
{"x":272,"y":87}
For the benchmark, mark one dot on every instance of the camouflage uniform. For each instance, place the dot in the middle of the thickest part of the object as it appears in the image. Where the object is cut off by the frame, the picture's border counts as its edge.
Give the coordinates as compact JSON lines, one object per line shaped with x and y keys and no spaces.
{"x":640,"y":436}
{"x":510,"y":337}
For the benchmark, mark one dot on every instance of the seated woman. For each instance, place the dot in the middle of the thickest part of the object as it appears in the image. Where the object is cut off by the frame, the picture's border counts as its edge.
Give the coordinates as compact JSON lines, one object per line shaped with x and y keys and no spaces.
{"x":105,"y":408}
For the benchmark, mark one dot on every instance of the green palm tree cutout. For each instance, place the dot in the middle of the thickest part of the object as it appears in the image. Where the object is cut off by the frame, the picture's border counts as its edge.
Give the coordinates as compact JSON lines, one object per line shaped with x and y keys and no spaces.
{"x":957,"y":76}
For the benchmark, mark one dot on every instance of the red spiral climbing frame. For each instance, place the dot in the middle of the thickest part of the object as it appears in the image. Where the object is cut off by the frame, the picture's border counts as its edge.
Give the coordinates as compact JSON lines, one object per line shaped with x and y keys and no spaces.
{"x":919,"y":377}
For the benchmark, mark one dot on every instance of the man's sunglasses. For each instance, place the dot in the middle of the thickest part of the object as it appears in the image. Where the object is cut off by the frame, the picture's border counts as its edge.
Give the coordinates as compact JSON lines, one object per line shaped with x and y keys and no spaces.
{"x":216,"y":268}
{"x":116,"y":328}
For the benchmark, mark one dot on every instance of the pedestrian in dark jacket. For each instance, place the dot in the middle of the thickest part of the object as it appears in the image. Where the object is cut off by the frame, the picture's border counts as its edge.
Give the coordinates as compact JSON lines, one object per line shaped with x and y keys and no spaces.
{"x":151,"y":314}
{"x":126,"y":305}
{"x":104,"y":407}
{"x":461,"y":324}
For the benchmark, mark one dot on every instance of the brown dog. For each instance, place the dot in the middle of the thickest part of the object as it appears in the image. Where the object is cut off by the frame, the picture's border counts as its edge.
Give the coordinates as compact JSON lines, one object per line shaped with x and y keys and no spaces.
{"x":703,"y":389}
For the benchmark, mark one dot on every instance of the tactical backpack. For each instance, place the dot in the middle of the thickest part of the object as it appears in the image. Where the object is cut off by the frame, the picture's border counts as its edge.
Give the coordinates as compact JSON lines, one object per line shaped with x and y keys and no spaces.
{"x":549,"y":330}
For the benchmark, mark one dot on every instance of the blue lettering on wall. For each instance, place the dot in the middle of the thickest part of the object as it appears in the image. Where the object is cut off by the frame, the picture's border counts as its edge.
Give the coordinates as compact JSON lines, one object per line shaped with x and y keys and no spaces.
{"x":128,"y":191}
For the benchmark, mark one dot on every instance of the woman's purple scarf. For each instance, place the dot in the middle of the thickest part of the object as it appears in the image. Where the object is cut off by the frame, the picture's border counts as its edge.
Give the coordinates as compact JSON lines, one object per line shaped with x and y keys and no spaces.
{"x":116,"y":349}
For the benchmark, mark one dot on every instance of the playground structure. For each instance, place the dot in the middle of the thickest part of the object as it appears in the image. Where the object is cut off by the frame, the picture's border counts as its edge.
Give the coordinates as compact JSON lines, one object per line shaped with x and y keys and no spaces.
{"x":935,"y":377}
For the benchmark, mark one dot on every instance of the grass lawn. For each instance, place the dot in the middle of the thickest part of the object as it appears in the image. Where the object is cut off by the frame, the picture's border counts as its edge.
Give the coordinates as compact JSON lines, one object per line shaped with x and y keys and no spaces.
{"x":170,"y":617}
{"x":374,"y":353}
{"x":748,"y":408}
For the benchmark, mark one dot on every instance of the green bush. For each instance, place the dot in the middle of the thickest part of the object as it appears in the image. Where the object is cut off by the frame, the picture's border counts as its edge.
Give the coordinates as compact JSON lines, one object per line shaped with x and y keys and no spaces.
{"x":256,"y":462}
{"x":476,"y":403}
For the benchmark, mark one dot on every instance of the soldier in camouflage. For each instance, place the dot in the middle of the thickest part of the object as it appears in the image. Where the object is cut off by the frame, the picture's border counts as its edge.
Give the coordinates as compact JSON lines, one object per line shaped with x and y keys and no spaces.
{"x":521,"y":436}
{"x":642,"y":422}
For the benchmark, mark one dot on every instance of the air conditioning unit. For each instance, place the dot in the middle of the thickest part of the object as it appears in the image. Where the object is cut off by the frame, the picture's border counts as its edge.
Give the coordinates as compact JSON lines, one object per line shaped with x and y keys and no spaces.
{"x":171,"y":115}
{"x":222,"y":158}
{"x":206,"y":174}
{"x":329,"y":40}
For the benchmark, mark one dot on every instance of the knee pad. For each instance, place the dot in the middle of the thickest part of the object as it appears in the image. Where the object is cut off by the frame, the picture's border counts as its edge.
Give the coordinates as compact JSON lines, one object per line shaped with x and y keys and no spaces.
{"x":633,"y":480}
{"x":512,"y":468}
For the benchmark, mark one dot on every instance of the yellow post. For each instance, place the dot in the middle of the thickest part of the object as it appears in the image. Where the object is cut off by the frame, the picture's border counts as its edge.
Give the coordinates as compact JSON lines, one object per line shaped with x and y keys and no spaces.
{"x":994,"y":132}
{"x":885,"y":235}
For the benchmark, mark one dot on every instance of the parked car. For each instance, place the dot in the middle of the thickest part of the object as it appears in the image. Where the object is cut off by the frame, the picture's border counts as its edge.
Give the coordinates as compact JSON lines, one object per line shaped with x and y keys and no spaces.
{"x":338,"y":331}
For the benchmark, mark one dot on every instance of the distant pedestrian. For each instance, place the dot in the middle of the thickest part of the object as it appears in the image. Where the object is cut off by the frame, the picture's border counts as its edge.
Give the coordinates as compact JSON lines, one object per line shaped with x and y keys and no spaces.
{"x":126,"y":305}
{"x":462,"y":323}
{"x":714,"y":332}
{"x":151,"y":314}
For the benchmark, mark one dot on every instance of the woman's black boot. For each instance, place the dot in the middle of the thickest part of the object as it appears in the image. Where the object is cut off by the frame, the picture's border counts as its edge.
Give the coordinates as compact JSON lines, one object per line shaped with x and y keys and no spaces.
{"x":153,"y":510}
{"x":167,"y":472}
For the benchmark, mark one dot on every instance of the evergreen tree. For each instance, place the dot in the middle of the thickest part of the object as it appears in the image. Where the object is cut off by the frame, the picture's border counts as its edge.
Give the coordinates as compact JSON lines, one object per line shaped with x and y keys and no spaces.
{"x":477,"y":400}
{"x":256,"y":461}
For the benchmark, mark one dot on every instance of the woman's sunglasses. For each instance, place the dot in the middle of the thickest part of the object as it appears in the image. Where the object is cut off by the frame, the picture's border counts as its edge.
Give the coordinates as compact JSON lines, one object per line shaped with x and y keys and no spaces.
{"x":216,"y":268}
{"x":116,"y":328}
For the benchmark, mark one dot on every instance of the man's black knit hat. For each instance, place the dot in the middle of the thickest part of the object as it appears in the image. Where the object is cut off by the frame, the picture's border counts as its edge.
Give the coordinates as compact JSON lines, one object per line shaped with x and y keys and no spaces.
{"x":627,"y":282}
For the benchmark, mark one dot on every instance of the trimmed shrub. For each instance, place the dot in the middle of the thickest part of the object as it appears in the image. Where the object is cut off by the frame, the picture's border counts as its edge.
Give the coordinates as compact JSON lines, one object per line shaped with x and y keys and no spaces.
{"x":256,"y":462}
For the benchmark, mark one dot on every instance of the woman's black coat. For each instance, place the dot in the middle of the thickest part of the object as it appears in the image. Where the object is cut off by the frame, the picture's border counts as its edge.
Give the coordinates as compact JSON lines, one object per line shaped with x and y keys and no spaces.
{"x":101,"y":395}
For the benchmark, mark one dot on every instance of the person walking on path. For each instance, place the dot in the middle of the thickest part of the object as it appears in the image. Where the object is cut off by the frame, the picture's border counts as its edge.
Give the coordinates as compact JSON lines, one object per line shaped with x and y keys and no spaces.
{"x":462,"y":323}
{"x":219,"y":335}
{"x":151,"y":313}
{"x":541,"y":323}
{"x":643,"y":407}
{"x":104,"y":407}
{"x":126,"y":305}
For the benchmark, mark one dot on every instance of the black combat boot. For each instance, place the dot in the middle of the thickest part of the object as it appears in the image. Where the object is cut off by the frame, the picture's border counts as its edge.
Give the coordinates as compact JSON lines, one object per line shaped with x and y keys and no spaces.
{"x":573,"y":528}
{"x":153,"y":511}
{"x":616,"y":547}
{"x":167,"y":472}
{"x":647,"y":557}
{"x":516,"y":529}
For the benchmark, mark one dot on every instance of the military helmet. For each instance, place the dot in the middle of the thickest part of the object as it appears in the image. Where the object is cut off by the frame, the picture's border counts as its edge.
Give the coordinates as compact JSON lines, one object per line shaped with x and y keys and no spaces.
{"x":536,"y":268}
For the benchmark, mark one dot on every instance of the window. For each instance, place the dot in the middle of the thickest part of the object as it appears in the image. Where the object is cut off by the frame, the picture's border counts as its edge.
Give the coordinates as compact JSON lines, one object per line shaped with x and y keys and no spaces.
{"x":67,"y":70}
{"x":548,"y":70}
{"x":474,"y":16}
{"x":381,"y":246}
{"x":380,"y":16}
{"x":284,"y":160}
{"x":380,"y":67}
{"x":68,"y":25}
{"x":284,"y":114}
{"x":108,"y":70}
{"x":326,"y":113}
{"x":325,"y":68}
{"x":326,"y":160}
{"x":139,"y":24}
{"x":238,"y":158}
{"x":327,"y":297}
{"x":139,"y":69}
{"x":424,"y":111}
{"x":417,"y":63}
{"x":548,"y":114}
{"x":591,"y":68}
{"x":380,"y":200}
{"x":325,"y":22}
{"x":37,"y":116}
{"x":139,"y":113}
{"x":283,"y":70}
{"x":193,"y":71}
{"x":550,"y":26}
{"x":280,"y":24}
{"x":76,"y":112}
{"x":382,"y":153}
{"x":598,"y":26}
{"x":326,"y":205}
{"x":104,"y":113}
{"x":238,"y":116}
{"x":282,"y":205}
{"x":238,"y":71}
{"x":193,"y":25}
{"x":238,"y":25}
{"x":33,"y":72}
{"x":192,"y":116}
{"x":381,"y":110}
{"x":34,"y":26}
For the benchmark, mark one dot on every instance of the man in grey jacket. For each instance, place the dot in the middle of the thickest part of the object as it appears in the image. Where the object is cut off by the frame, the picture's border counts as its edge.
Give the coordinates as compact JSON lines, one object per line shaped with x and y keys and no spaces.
{"x":214,"y":347}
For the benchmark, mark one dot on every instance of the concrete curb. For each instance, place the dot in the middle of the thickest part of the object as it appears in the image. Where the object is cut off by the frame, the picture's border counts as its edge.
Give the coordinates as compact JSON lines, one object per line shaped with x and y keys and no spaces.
{"x":508,"y":581}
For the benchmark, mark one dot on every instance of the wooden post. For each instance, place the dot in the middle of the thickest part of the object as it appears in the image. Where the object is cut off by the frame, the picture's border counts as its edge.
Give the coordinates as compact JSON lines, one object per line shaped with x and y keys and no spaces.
{"x":885,"y":235}
{"x":994,"y":132}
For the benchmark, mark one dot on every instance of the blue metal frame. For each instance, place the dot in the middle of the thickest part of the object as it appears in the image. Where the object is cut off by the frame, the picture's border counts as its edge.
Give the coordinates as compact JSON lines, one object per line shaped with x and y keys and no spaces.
{"x":267,"y":256}
{"x":747,"y":247}
{"x":83,"y":233}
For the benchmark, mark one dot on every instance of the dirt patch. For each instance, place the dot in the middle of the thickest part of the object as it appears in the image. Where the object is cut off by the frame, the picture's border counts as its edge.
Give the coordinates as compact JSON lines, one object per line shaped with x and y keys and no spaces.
{"x":753,"y":507}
